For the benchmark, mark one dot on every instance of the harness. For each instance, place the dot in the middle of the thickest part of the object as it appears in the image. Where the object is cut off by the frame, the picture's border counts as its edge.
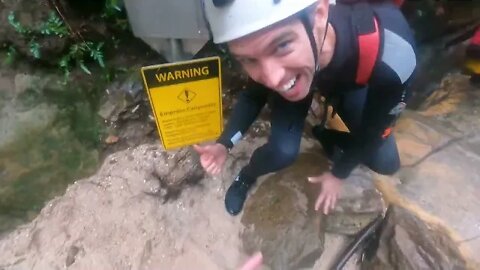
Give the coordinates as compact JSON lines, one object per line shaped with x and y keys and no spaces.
{"x":368,"y":41}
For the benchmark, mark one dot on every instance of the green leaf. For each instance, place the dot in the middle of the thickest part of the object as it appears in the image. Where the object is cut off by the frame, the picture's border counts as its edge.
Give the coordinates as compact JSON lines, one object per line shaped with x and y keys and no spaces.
{"x":97,"y":54}
{"x":16,"y":25}
{"x":11,"y":55}
{"x":54,"y":26}
{"x":84,"y":68}
{"x":63,"y":63}
{"x":34,"y":49}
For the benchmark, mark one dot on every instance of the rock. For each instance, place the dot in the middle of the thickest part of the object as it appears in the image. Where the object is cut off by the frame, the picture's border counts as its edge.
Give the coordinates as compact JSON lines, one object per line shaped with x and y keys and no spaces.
{"x":111,"y":139}
{"x":124,"y":100}
{"x":280,"y":219}
{"x":7,"y":86}
{"x":416,"y":139}
{"x":17,"y":124}
{"x":454,"y":106}
{"x":452,"y":91}
{"x":178,"y":168}
{"x":359,"y":204}
{"x":335,"y":244}
{"x":112,"y":220}
{"x":107,"y":109}
{"x":132,"y":87}
{"x":24,"y":82}
{"x":407,"y":242}
{"x":38,"y":83}
{"x":440,"y":151}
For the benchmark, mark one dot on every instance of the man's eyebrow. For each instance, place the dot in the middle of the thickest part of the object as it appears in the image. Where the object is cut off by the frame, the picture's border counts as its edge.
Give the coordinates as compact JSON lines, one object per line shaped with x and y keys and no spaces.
{"x":281,"y":38}
{"x":278,"y":39}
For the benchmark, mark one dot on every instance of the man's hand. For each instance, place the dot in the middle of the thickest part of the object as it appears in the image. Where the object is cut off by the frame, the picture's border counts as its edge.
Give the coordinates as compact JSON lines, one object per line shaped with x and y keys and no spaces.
{"x":330,"y":189}
{"x":212,"y":157}
{"x":253,"y":263}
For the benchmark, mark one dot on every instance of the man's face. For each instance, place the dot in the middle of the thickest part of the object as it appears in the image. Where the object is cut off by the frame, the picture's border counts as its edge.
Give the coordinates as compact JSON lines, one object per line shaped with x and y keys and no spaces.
{"x":279,"y":57}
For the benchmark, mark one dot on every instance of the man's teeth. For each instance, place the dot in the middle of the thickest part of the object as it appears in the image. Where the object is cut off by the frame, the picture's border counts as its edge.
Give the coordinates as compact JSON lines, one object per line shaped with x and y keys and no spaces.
{"x":289,"y":85}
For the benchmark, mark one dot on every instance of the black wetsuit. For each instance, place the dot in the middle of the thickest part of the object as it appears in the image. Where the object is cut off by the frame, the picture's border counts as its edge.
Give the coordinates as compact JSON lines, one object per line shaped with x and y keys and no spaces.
{"x":368,"y":111}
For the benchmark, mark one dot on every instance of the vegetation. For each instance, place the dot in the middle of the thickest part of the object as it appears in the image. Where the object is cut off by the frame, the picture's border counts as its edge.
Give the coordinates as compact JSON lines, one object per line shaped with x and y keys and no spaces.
{"x":79,"y":52}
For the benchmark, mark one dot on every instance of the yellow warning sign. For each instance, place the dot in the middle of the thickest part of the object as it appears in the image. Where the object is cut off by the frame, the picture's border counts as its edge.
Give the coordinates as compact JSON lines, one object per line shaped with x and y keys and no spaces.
{"x":186,"y":99}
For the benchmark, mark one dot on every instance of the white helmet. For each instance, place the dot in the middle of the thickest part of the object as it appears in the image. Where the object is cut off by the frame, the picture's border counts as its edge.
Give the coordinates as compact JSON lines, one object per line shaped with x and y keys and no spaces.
{"x":238,"y":18}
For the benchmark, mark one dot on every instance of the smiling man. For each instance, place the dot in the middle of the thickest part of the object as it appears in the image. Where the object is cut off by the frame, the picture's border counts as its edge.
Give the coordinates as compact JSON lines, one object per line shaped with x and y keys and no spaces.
{"x":360,"y":56}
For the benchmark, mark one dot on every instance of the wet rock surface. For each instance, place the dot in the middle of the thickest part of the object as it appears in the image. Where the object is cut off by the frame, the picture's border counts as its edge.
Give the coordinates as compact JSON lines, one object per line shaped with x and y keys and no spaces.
{"x":439,"y":179}
{"x":280,"y":219}
{"x":407,"y":242}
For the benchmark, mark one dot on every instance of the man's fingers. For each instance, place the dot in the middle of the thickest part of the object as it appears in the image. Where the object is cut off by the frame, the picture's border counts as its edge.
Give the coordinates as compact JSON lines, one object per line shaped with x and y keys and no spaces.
{"x":319,"y":201}
{"x":334,"y":202}
{"x":206,"y":160}
{"x":253,"y":262}
{"x":217,"y":170}
{"x":211,"y":167}
{"x":326,"y":204}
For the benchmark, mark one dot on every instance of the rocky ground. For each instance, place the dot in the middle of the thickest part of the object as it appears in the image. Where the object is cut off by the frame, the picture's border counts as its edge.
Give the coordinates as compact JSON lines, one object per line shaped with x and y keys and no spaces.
{"x":151,"y":209}
{"x":147,"y":208}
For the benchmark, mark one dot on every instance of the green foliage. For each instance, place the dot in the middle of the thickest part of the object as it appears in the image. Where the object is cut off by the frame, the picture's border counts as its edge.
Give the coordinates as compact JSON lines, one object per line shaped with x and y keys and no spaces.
{"x":79,"y":51}
{"x":113,"y":12}
{"x":34,"y":49}
{"x":16,"y":24}
{"x":53,"y":26}
{"x":77,"y":54}
{"x":112,"y":8}
{"x":11,"y":55}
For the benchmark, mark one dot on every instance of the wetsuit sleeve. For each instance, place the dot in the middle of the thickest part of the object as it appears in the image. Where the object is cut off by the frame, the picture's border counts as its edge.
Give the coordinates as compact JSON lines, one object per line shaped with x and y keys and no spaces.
{"x":385,"y":93}
{"x":249,"y":104}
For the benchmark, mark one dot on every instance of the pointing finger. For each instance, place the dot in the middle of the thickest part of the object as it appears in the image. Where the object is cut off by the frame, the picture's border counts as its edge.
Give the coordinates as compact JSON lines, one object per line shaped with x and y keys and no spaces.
{"x":253,"y":262}
{"x":198,"y":148}
{"x":315,"y":179}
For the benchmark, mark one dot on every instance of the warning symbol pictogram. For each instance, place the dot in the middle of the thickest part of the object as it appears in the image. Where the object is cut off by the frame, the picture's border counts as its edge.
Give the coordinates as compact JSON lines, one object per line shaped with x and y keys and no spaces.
{"x":187,"y":95}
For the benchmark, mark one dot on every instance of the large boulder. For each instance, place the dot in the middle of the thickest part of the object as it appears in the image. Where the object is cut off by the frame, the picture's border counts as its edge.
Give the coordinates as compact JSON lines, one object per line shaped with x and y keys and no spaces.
{"x":280,"y":219}
{"x":407,"y":242}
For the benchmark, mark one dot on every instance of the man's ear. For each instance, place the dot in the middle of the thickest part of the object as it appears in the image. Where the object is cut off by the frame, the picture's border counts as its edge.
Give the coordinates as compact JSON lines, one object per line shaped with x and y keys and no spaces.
{"x":320,"y":18}
{"x":321,"y":13}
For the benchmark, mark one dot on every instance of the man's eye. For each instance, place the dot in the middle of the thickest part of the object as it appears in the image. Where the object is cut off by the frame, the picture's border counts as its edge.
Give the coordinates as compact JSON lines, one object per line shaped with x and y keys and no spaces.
{"x":283,"y":46}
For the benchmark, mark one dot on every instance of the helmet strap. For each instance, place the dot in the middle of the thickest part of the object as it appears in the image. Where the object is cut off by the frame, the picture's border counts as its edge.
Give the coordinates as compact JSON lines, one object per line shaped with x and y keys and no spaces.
{"x":304,"y":17}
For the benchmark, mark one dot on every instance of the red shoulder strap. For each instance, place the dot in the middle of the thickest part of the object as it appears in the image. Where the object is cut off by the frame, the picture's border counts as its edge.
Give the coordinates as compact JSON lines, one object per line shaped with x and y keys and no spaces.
{"x":476,"y":38}
{"x":398,"y":2}
{"x":369,"y":46}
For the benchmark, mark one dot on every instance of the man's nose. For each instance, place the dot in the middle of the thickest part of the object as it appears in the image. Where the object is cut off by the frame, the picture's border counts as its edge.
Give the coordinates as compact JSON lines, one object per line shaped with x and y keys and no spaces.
{"x":272,"y":74}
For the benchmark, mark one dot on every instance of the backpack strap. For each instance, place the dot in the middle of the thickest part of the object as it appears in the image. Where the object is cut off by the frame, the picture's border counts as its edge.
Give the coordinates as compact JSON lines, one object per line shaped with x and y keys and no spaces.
{"x":368,"y":41}
{"x":476,"y":37}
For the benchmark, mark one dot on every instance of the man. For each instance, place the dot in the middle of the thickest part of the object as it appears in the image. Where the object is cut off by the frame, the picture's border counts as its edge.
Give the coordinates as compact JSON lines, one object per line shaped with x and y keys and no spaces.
{"x":285,"y":46}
